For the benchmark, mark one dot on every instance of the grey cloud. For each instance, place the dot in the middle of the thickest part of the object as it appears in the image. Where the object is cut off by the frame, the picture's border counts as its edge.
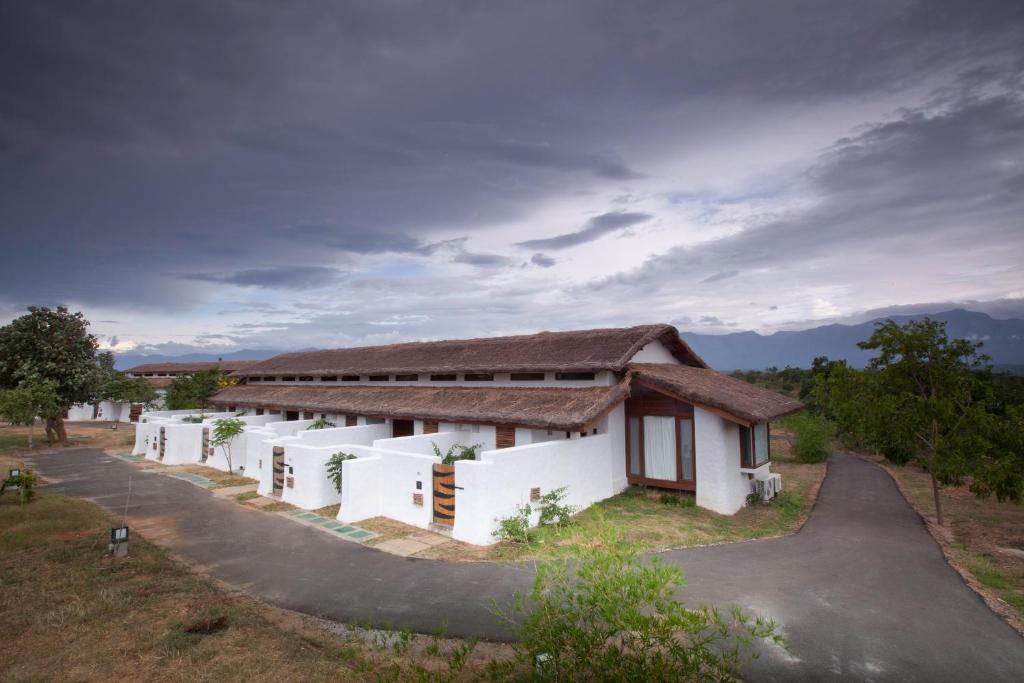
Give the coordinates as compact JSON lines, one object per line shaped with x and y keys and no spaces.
{"x":542,"y":260}
{"x":282,"y":277}
{"x":482,"y":260}
{"x":722,"y":275}
{"x":591,"y":230}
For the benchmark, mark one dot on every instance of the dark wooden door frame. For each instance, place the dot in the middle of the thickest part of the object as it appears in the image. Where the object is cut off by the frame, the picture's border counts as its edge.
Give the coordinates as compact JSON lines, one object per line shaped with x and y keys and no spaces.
{"x":661,"y":408}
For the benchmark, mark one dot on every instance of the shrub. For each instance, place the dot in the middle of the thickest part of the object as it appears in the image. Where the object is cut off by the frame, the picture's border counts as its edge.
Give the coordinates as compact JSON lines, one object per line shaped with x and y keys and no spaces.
{"x":678,"y":499}
{"x":813,"y":442}
{"x":334,"y":467}
{"x":321,"y":423}
{"x":552,"y":512}
{"x":608,"y":614}
{"x":515,"y":528}
{"x":193,"y":419}
{"x":457,"y":452}
{"x":26,"y":482}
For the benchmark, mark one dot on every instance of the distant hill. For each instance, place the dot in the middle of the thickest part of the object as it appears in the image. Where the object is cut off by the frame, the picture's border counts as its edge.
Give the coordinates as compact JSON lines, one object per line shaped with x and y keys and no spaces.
{"x":1003,"y":341}
{"x":124,"y":361}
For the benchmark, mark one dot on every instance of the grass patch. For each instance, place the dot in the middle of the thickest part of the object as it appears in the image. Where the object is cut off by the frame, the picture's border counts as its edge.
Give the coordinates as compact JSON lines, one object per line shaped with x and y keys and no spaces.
{"x":389,"y":529}
{"x":279,"y":506}
{"x":329,"y":511}
{"x":68,"y":612}
{"x":657,"y":519}
{"x":979,"y":530}
{"x":220,"y":479}
{"x":248,"y":495}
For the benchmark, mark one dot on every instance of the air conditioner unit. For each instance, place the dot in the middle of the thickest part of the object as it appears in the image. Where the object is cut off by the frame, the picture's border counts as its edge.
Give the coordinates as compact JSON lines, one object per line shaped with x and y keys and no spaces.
{"x":768,"y":488}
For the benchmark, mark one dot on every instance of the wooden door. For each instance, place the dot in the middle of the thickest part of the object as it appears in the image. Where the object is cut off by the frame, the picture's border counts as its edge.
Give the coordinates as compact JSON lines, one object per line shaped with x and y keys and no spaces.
{"x":429,"y":427}
{"x":444,"y":494}
{"x":505,"y":437}
{"x":307,"y":416}
{"x":163,"y":442}
{"x":351,"y":420}
{"x":278,"y":469}
{"x":206,"y":451}
{"x":402,"y":428}
{"x":291,"y":415}
{"x":135,"y":412}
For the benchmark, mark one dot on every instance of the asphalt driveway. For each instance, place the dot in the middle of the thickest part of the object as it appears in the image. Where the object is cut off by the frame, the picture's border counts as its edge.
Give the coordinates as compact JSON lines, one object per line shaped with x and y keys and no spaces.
{"x":862,"y":592}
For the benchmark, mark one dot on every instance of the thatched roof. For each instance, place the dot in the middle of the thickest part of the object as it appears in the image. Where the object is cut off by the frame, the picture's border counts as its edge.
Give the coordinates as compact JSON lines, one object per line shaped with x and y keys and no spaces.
{"x":708,"y":388}
{"x":541,"y":408}
{"x":188,"y":368}
{"x":580,"y":350}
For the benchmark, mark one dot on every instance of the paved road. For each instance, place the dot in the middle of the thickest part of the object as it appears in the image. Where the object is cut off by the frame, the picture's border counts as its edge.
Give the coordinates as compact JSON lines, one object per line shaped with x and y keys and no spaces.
{"x":862,"y":592}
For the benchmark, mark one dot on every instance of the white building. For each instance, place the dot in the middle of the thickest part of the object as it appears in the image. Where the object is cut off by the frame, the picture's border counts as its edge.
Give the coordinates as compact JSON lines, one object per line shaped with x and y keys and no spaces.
{"x":591,"y":410}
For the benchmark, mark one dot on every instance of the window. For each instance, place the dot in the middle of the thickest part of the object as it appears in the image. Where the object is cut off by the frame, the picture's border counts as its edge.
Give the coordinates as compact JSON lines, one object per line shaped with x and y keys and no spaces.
{"x":754,"y":449}
{"x":527,"y":377}
{"x":329,"y":378}
{"x":350,"y":378}
{"x":269,"y":379}
{"x":374,"y":420}
{"x":379,"y":378}
{"x":305,"y":378}
{"x":407,"y":378}
{"x":443,"y":378}
{"x":479,"y":377}
{"x":254,"y":379}
{"x":289,"y":378}
{"x":574,"y":375}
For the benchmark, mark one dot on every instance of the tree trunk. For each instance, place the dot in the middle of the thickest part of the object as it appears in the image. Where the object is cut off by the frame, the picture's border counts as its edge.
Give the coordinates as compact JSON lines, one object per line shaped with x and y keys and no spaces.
{"x":51,"y":433}
{"x":31,"y":431}
{"x":62,"y":433}
{"x":931,"y":471}
{"x":938,"y":500}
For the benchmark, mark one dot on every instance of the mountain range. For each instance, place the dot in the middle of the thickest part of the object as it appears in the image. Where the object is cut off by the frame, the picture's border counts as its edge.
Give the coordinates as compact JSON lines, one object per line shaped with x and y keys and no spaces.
{"x":1003,"y":340}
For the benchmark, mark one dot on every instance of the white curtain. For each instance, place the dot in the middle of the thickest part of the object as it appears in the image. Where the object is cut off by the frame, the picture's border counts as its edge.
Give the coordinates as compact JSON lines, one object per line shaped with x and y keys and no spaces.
{"x":660,"y":447}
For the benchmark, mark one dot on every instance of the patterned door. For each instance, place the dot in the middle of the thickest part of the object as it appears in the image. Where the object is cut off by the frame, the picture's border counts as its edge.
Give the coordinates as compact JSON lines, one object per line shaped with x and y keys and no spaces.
{"x":163,"y":442}
{"x":207,"y":451}
{"x":278,"y":468}
{"x":444,"y":494}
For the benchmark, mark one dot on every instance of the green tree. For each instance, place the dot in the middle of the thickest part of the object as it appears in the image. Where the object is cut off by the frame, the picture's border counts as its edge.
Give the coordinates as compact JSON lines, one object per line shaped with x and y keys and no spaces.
{"x":925,"y":383}
{"x":225,"y":431}
{"x":124,"y":389}
{"x":193,"y":391}
{"x":50,"y":345}
{"x":23,"y":404}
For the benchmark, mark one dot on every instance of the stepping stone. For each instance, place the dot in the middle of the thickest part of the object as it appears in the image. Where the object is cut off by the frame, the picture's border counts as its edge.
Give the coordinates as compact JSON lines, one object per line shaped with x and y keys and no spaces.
{"x":403,"y":547}
{"x":363,"y":534}
{"x":345,"y":529}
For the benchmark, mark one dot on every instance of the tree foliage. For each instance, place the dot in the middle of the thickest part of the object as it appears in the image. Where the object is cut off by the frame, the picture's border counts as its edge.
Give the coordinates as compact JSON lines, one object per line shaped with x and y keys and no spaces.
{"x":192,"y":391}
{"x":54,"y":346}
{"x":225,"y":431}
{"x":23,"y":404}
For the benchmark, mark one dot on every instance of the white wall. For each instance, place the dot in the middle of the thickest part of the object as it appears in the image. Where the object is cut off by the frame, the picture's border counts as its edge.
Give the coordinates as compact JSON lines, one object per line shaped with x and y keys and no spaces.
{"x":720,"y":484}
{"x":183,"y":443}
{"x":109,"y":411}
{"x":382,"y":482}
{"x":654,"y":352}
{"x":495,"y":485}
{"x":239,"y":447}
{"x":423,"y":444}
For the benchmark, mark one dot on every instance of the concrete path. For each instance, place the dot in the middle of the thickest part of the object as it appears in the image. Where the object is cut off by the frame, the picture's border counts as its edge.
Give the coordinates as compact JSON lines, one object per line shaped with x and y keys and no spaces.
{"x":862,"y":592}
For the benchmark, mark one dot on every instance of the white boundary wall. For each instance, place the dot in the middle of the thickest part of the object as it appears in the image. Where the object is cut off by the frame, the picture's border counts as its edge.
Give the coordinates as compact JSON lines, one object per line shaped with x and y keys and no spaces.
{"x":720,"y":484}
{"x":382,"y":482}
{"x":109,"y":411}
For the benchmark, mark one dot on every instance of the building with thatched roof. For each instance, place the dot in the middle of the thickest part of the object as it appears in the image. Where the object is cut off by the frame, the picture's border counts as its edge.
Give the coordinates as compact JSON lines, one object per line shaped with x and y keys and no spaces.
{"x":590,"y":410}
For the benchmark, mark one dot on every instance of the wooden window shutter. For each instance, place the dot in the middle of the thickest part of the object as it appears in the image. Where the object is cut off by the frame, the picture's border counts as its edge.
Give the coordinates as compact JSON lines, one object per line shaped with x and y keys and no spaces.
{"x":351,"y":420}
{"x":505,"y":437}
{"x":429,"y":427}
{"x":307,"y":416}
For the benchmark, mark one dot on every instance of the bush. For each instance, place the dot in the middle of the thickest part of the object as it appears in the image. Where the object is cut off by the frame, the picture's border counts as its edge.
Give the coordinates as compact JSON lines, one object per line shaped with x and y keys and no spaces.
{"x":26,"y":482}
{"x":813,"y":442}
{"x":334,"y":467}
{"x":611,"y":615}
{"x":457,"y":452}
{"x":515,"y":528}
{"x":320,"y":423}
{"x":552,"y":512}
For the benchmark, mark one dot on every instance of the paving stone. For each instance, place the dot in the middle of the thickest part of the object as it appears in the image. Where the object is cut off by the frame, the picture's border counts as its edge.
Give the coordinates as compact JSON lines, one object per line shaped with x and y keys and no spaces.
{"x":429,"y":539}
{"x":403,"y":547}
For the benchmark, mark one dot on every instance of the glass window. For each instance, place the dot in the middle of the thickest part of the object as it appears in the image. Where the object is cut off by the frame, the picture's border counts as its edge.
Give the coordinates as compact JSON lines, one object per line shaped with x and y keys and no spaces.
{"x":660,"y":447}
{"x":686,"y":442}
{"x":760,"y":444}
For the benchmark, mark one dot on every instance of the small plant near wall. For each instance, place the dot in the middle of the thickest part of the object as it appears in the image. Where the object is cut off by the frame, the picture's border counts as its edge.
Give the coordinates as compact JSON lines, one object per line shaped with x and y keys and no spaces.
{"x":193,"y":419}
{"x":457,"y":452}
{"x":225,"y":431}
{"x":321,"y":423}
{"x":552,"y":512}
{"x":515,"y":528}
{"x":334,"y":468}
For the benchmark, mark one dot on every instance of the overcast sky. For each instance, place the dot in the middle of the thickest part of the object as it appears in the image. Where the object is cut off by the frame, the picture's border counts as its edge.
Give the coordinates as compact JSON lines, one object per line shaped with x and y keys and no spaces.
{"x":283,"y":175}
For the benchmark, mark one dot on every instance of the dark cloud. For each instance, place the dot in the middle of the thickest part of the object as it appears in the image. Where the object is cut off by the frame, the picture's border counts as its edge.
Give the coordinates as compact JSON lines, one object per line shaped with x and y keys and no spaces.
{"x":722,"y":275}
{"x":542,"y":260}
{"x":591,"y":230}
{"x":482,"y":260}
{"x":282,"y":277}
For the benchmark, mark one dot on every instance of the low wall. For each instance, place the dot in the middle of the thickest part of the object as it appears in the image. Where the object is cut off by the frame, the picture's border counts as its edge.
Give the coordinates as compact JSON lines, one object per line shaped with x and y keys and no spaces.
{"x":305,"y":476}
{"x":423,"y":444}
{"x":382,"y":482}
{"x":496,"y":484}
{"x":183,"y":444}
